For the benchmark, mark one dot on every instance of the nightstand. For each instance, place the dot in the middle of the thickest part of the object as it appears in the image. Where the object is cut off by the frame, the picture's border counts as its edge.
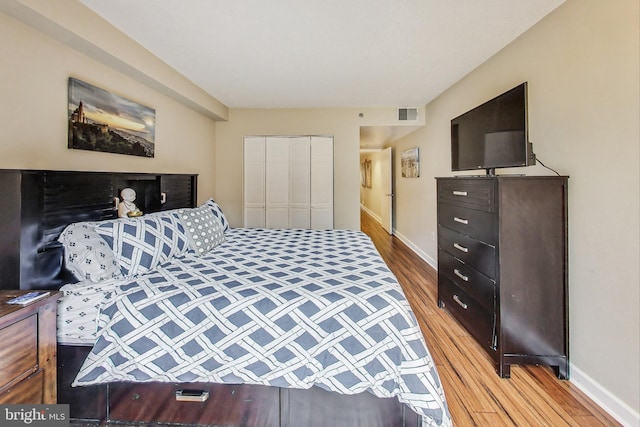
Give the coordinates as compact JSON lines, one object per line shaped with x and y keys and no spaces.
{"x":28,"y":350}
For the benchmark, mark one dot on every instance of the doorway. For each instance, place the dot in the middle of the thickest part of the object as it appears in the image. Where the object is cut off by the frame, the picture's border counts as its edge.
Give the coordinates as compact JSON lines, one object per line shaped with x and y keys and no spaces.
{"x":376,"y":194}
{"x":386,"y":182}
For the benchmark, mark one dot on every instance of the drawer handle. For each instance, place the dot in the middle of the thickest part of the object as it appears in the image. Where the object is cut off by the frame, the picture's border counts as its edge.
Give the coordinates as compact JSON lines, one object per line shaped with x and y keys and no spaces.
{"x":460,"y":275}
{"x":186,"y":395}
{"x":456,"y":298}
{"x":460,"y":248}
{"x":461,"y":220}
{"x":459,"y":193}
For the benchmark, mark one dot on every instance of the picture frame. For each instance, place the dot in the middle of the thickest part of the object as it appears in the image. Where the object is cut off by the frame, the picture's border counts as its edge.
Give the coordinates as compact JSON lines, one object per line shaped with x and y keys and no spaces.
{"x":365,"y":173}
{"x":103,"y":121}
{"x":410,"y":163}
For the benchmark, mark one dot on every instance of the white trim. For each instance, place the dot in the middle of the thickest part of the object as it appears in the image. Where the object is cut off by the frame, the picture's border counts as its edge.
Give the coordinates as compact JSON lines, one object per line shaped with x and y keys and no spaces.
{"x":371,"y":213}
{"x":432,"y":262}
{"x":619,"y":410}
{"x":404,"y":240}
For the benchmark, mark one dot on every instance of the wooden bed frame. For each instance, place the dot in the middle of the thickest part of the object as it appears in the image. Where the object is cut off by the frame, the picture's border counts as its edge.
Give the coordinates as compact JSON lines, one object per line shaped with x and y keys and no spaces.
{"x":38,"y":204}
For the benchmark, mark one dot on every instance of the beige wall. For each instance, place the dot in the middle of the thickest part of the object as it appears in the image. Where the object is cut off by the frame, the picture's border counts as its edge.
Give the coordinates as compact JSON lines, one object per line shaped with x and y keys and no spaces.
{"x":581,"y":63}
{"x":33,"y":112}
{"x":342,"y":124}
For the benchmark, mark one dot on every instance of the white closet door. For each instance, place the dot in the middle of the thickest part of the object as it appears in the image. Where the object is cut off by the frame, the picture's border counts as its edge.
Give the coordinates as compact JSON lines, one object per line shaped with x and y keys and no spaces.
{"x":254,"y":182}
{"x":277,"y":182}
{"x":321,"y":182}
{"x":300,"y":182}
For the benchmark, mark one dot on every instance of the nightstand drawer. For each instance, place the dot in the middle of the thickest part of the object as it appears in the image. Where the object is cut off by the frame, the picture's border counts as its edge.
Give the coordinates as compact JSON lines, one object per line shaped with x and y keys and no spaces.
{"x":26,"y":391}
{"x":18,"y":349}
{"x":469,"y":279}
{"x":472,"y":252}
{"x":480,"y":225}
{"x":470,"y":193}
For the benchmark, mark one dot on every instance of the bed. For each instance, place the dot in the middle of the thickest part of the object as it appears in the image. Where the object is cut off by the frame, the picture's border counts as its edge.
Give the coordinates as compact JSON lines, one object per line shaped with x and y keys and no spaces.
{"x":279,"y":319}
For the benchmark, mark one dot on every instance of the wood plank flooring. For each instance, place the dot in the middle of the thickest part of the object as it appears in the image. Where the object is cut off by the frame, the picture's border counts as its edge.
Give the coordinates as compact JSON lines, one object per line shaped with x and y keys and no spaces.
{"x":476,"y":395}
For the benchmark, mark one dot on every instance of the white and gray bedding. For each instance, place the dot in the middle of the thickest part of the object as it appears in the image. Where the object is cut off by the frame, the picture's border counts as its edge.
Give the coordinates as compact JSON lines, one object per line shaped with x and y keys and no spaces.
{"x":287,"y":308}
{"x":79,"y":308}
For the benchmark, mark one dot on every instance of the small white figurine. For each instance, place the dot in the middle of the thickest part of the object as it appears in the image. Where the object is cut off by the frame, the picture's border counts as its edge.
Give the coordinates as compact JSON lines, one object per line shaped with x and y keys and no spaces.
{"x":126,"y":208}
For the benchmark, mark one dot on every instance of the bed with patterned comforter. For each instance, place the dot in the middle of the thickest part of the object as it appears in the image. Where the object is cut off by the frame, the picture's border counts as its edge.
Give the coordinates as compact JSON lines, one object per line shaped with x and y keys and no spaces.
{"x":286,"y":308}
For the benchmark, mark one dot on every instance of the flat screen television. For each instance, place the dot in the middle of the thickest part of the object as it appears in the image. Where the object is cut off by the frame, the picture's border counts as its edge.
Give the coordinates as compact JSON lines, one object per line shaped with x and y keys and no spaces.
{"x":493,"y":135}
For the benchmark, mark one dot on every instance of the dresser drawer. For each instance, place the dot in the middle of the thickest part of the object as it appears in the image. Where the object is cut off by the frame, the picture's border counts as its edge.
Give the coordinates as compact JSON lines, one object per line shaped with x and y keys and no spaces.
{"x":478,"y":321}
{"x":18,"y":349}
{"x":476,"y":284}
{"x":479,"y":225}
{"x":473,"y":193}
{"x":28,"y":390}
{"x":472,"y":252}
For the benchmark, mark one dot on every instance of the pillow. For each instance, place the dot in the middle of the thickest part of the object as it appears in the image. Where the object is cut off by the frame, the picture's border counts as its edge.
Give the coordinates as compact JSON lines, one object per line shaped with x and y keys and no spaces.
{"x":204,"y":230}
{"x":217,"y":212}
{"x":141,"y":244}
{"x":87,"y":255}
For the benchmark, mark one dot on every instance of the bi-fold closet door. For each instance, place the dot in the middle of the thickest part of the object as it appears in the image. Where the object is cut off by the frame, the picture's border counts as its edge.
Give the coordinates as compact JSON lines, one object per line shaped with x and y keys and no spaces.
{"x":288,"y":182}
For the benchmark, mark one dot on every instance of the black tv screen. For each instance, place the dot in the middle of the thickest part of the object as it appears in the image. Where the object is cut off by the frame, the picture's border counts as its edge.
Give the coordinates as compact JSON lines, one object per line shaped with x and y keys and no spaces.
{"x":493,"y":135}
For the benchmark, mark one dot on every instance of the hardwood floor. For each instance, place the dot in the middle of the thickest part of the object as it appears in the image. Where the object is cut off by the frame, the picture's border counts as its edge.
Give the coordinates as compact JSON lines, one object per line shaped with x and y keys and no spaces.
{"x":476,"y":395}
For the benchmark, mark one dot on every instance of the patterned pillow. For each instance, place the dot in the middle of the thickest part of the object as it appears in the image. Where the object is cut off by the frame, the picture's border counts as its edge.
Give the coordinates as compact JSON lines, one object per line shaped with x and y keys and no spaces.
{"x":86,"y":254}
{"x":141,"y":244}
{"x":217,"y":212}
{"x":204,"y":230}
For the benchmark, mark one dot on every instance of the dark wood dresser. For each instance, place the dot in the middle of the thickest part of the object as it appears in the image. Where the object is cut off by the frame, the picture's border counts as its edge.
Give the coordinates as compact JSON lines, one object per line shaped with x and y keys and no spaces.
{"x":502,"y":266}
{"x":28,"y":350}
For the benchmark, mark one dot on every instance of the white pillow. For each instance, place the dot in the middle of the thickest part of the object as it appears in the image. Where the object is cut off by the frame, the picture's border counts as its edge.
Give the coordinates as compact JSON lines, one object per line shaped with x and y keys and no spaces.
{"x":86,"y":254}
{"x":204,"y":230}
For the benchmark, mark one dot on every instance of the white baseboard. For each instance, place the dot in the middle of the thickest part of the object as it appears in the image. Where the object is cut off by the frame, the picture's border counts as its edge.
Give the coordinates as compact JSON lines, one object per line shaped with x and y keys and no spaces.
{"x":619,"y":410}
{"x":371,"y":213}
{"x":404,"y":240}
{"x":429,"y":260}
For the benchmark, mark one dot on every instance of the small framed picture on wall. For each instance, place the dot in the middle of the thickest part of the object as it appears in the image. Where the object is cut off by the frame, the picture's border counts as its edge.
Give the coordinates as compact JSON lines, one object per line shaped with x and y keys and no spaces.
{"x":410,"y":163}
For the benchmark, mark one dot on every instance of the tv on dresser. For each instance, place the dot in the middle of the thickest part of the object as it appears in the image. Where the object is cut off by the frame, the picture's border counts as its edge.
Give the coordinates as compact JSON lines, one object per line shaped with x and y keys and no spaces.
{"x":493,"y":135}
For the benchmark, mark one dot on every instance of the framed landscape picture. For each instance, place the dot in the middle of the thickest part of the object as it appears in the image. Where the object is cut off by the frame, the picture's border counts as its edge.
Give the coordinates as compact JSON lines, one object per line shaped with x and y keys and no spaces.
{"x":102,"y":121}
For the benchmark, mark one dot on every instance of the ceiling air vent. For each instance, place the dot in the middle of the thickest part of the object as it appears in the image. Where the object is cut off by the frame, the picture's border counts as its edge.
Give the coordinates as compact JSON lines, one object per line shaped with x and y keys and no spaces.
{"x":407,"y":114}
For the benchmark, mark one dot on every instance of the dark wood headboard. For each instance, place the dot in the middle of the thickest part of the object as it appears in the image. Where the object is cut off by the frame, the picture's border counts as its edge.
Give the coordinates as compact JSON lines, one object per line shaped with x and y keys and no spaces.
{"x":38,"y":204}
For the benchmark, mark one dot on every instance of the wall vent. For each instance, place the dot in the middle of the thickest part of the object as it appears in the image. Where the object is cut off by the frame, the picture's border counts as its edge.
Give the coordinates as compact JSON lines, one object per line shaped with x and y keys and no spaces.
{"x":407,"y":114}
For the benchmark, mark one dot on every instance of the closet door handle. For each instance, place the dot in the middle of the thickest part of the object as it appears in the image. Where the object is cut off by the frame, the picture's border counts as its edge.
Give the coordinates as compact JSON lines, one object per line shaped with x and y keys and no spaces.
{"x":459,"y":193}
{"x":460,"y":248}
{"x":456,"y":298}
{"x":461,"y":220}
{"x":460,"y":275}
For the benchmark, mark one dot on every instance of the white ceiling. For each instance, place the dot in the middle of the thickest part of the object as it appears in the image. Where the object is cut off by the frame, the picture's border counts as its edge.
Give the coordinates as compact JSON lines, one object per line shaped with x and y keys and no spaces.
{"x":323,"y":53}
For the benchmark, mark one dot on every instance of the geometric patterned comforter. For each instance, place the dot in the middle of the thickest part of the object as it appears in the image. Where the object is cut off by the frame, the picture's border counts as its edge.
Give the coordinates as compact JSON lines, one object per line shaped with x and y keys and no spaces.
{"x":287,"y":308}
